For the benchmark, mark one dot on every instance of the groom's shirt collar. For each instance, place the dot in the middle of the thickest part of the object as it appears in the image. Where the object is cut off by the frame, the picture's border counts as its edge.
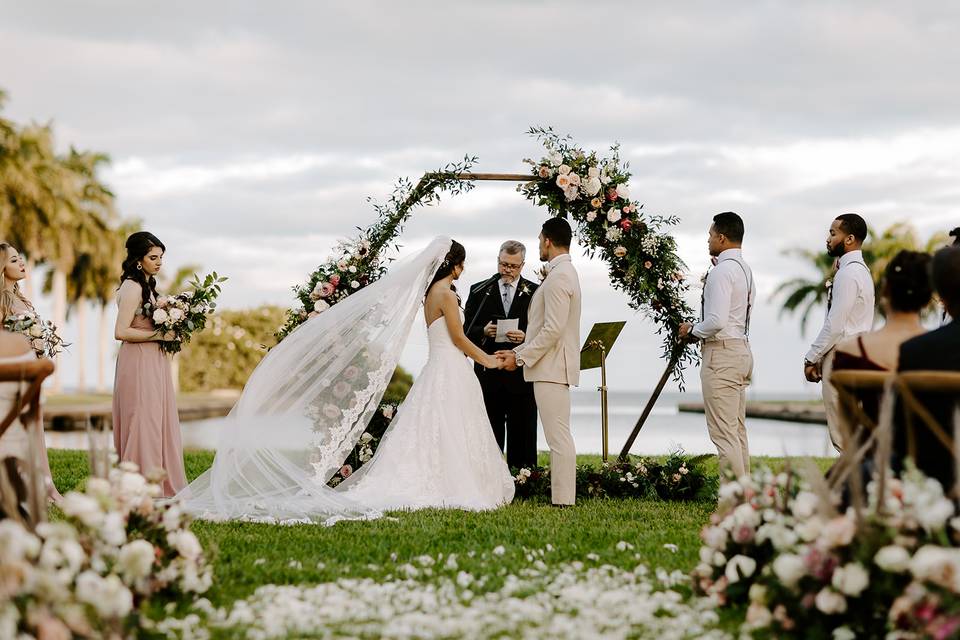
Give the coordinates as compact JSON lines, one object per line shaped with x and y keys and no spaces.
{"x":563,"y":257}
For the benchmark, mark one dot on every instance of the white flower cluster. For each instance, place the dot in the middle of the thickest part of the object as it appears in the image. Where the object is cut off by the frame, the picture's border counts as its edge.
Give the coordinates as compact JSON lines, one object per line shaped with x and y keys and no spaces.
{"x":434,"y":598}
{"x":818,"y":553}
{"x":88,"y":572}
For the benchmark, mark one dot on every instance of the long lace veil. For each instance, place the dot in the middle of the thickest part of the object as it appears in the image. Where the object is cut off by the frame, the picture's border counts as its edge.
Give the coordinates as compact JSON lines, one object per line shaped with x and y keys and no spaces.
{"x":308,"y":402}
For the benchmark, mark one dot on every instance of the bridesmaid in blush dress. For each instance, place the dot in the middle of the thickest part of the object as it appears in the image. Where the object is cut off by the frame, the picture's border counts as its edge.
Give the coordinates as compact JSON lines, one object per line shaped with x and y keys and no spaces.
{"x":146,"y":427}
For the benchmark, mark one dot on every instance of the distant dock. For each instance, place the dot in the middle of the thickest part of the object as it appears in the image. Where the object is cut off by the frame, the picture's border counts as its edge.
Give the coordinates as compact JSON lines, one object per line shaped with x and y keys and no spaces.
{"x":69,"y":414}
{"x":807,"y":412}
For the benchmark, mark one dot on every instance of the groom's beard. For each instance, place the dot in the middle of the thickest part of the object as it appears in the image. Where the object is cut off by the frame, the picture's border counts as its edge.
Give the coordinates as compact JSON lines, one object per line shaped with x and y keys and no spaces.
{"x":835,"y":251}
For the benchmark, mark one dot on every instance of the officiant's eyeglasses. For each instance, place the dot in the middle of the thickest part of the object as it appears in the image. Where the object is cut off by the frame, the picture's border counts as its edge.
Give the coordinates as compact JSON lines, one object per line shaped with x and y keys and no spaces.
{"x":507,"y":265}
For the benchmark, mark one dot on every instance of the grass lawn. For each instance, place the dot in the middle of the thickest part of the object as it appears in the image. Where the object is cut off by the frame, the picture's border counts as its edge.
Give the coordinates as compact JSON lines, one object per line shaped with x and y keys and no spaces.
{"x":247,"y":555}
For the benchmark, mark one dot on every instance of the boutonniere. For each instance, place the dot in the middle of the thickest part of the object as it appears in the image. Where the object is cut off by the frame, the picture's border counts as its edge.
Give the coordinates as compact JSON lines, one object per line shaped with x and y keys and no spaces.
{"x":828,"y":284}
{"x":543,"y":272}
{"x":525,"y":288}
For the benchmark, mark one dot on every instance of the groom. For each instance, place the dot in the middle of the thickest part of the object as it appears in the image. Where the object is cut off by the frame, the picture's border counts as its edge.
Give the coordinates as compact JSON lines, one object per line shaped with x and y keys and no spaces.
{"x":550,"y":357}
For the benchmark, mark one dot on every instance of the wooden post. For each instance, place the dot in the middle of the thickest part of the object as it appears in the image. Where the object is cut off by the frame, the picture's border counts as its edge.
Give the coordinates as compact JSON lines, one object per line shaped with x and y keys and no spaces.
{"x":652,"y":401}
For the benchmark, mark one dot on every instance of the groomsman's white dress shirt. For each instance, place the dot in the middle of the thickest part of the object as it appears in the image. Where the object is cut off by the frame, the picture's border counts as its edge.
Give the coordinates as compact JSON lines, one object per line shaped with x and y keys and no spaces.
{"x":727,"y":293}
{"x":850,"y":311}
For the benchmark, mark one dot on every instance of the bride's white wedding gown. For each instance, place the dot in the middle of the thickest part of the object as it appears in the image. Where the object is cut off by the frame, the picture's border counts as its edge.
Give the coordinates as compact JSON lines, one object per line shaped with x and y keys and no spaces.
{"x":309,"y":401}
{"x":439,"y":451}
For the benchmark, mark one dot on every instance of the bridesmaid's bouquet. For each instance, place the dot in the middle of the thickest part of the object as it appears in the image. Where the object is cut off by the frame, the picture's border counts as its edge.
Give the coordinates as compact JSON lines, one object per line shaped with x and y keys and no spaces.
{"x":186,"y":312}
{"x":42,"y":334}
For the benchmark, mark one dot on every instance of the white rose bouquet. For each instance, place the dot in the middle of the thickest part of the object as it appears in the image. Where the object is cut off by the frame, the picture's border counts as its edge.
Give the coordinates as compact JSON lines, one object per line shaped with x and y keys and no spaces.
{"x":42,"y":334}
{"x":187,"y":312}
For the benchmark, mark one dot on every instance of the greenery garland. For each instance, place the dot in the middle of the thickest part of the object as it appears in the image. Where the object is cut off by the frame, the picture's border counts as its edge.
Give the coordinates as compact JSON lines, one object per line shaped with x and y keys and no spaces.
{"x":593,"y":192}
{"x":359,"y":261}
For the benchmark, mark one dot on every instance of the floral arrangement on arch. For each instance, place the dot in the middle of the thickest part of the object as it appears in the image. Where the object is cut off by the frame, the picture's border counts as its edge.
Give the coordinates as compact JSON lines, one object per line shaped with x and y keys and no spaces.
{"x":42,"y":334}
{"x":594,"y":193}
{"x":805,"y":570}
{"x":359,"y":261}
{"x":186,"y":312}
{"x":92,"y":574}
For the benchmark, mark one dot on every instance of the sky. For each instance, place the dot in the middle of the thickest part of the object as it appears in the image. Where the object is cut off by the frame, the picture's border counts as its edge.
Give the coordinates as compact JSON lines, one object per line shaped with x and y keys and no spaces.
{"x":248,"y":135}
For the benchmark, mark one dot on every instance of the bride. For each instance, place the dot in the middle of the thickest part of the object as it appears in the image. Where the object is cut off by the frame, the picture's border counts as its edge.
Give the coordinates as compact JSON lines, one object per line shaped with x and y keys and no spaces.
{"x":308,"y":402}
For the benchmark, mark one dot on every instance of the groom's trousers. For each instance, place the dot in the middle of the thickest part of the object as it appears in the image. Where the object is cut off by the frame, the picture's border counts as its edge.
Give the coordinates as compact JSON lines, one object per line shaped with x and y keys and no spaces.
{"x":553,"y":403}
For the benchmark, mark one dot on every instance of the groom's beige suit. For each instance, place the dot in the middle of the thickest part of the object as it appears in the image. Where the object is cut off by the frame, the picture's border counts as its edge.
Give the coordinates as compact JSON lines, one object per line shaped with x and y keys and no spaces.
{"x":550,"y":357}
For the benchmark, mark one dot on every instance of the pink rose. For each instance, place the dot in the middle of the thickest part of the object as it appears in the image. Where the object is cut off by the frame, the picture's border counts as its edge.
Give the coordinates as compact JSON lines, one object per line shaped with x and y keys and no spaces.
{"x":351,"y":372}
{"x":611,"y":194}
{"x":335,"y":280}
{"x":345,"y":471}
{"x":326,"y":288}
{"x":647,"y":264}
{"x":625,"y":225}
{"x":743,"y":534}
{"x":544,"y":171}
{"x":388,"y":412}
{"x":341,"y":389}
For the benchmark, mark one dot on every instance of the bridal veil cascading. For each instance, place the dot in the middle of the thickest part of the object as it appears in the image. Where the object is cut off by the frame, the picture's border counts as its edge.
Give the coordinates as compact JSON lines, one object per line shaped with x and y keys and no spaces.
{"x":308,"y":402}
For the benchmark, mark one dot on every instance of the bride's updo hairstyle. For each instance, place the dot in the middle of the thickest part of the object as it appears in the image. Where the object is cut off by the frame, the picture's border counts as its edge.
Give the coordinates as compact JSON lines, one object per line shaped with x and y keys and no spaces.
{"x":138,"y":246}
{"x":454,"y":258}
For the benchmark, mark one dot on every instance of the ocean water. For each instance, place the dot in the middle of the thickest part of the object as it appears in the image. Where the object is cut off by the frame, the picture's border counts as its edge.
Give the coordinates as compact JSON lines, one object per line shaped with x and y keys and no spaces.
{"x":665,"y":430}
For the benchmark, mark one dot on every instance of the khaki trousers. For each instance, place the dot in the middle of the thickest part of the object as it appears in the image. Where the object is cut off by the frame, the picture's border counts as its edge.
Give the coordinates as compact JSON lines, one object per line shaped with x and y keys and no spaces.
{"x":724,"y":376}
{"x":831,"y":402}
{"x":553,"y":403}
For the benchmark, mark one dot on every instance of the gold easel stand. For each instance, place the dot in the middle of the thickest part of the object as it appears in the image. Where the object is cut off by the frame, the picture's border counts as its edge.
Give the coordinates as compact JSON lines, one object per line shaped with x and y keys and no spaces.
{"x":594,"y":354}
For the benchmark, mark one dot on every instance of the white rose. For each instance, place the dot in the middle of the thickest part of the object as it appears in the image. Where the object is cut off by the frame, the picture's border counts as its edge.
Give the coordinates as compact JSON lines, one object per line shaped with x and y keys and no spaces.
{"x":35,"y":331}
{"x":563,"y":182}
{"x":746,"y":515}
{"x":780,"y":537}
{"x":844,"y":633}
{"x":851,"y":579}
{"x":809,"y":530}
{"x":172,"y":518}
{"x":789,"y":568}
{"x":933,"y":516}
{"x":805,"y":505}
{"x":354,"y":284}
{"x":82,"y":507}
{"x":555,"y":158}
{"x":592,"y":186}
{"x":366,"y":437}
{"x":893,"y":558}
{"x":107,"y":595}
{"x":563,"y":169}
{"x":16,"y":543}
{"x":186,"y":544}
{"x":715,"y":537}
{"x":594,"y":172}
{"x":160,"y":316}
{"x":758,"y":616}
{"x":740,"y":566}
{"x":623,"y":191}
{"x":940,"y":565}
{"x":591,"y":216}
{"x":136,"y":559}
{"x":838,"y":532}
{"x":176,"y":315}
{"x":352,"y":269}
{"x":133,"y":485}
{"x":830,"y":602}
{"x":614,"y":215}
{"x":320,"y":306}
{"x":114,"y":529}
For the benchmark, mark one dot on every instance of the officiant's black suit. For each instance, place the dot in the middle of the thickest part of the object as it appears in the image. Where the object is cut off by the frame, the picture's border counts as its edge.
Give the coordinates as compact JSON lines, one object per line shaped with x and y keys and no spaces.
{"x":511,"y":406}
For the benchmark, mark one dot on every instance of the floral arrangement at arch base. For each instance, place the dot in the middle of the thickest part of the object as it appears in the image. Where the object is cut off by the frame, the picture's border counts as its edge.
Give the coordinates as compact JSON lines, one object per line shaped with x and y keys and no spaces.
{"x":93,"y":574}
{"x":594,"y":193}
{"x":803,"y":569}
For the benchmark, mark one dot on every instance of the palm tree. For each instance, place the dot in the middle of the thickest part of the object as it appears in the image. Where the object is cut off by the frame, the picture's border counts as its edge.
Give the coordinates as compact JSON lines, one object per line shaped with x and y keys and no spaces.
{"x":804,"y":295}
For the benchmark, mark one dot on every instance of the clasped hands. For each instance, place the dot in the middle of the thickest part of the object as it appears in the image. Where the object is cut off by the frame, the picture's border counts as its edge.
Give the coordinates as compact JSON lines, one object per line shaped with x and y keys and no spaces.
{"x":685,"y":333}
{"x":506,"y":360}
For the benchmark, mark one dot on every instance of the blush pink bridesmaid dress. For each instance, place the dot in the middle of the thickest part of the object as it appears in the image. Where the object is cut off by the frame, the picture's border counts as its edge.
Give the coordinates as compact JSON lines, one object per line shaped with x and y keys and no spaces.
{"x":146,"y":426}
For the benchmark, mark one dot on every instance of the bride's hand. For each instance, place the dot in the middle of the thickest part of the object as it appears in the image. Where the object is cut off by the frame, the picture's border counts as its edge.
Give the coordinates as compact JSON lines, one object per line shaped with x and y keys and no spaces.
{"x":492,"y":362}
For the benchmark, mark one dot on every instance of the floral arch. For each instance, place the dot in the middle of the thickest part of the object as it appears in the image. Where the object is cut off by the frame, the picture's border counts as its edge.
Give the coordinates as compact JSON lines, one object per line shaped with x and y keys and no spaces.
{"x":589,"y":190}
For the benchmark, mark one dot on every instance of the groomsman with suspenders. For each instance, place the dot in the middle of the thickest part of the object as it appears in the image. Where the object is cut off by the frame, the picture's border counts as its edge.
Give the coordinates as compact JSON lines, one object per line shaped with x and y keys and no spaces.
{"x":850,"y":308}
{"x":727,"y":362}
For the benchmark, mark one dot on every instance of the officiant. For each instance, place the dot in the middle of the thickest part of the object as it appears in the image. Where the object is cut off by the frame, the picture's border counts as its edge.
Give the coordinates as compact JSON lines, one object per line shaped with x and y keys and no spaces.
{"x":509,"y":399}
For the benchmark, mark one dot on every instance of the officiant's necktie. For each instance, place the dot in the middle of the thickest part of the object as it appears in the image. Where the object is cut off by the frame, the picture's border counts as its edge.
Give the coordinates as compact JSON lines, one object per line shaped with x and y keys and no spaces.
{"x":506,"y":298}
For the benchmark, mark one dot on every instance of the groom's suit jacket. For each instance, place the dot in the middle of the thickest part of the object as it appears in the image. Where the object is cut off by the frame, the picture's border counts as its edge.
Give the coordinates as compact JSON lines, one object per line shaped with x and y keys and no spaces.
{"x":551,"y":351}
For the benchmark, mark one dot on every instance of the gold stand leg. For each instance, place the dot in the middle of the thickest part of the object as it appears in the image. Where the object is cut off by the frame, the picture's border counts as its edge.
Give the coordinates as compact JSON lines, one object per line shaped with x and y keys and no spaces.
{"x":604,"y":415}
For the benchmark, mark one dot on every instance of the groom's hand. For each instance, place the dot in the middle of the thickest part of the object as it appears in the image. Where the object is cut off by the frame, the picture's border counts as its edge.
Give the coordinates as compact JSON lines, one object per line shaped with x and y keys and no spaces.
{"x":508,"y":359}
{"x":685,"y":332}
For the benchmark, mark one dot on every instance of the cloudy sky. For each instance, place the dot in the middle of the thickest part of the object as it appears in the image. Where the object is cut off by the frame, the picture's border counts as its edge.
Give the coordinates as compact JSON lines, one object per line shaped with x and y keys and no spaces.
{"x":248,"y":135}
